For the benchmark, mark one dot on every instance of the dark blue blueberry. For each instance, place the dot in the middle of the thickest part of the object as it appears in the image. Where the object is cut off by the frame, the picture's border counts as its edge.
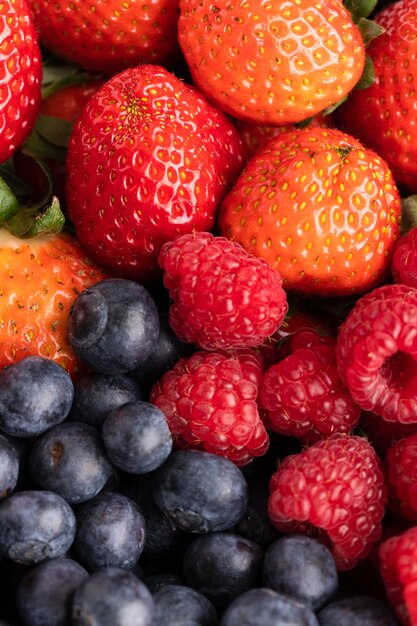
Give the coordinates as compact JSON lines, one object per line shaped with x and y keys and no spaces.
{"x":35,"y":526}
{"x":167,"y":350}
{"x":95,"y":395}
{"x":357,"y":611}
{"x":114,"y":326}
{"x":70,"y":459}
{"x":9,"y":467}
{"x":113,"y":597}
{"x":265,"y":607}
{"x":182,"y":606}
{"x":44,"y":596}
{"x":136,"y":437}
{"x":222,"y":566}
{"x":35,"y":394}
{"x":200,"y":492}
{"x":110,"y":532}
{"x":301,"y":567}
{"x":256,"y":524}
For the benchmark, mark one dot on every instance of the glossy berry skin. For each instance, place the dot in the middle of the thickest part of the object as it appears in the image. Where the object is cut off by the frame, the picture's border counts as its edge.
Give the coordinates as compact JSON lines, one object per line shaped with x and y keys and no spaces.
{"x":110,"y":532}
{"x":335,"y":491}
{"x":210,"y":402}
{"x":223,"y":297}
{"x":404,"y":260}
{"x":400,"y":465}
{"x":113,"y":36}
{"x":261,"y":606}
{"x":9,"y":466}
{"x":70,"y":460}
{"x":107,"y":598}
{"x":200,"y":492}
{"x":149,"y":159}
{"x":303,"y":394}
{"x":178,"y":604}
{"x":302,"y":568}
{"x":357,"y":611}
{"x":397,"y":556}
{"x":376,"y":352}
{"x":95,"y":395}
{"x":41,"y":277}
{"x":222,"y":566}
{"x":271,"y":63}
{"x":320,"y":208}
{"x":20,"y":76}
{"x":137,"y":437}
{"x":35,"y":394}
{"x":35,"y":526}
{"x":44,"y":595}
{"x":113,"y":325}
{"x":382,"y":116}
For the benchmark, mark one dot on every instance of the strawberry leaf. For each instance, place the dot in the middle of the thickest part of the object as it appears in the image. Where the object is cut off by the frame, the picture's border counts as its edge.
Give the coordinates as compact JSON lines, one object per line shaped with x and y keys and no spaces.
{"x":369,"y":30}
{"x":9,"y":204}
{"x":49,"y":138}
{"x":29,"y":223}
{"x":360,"y":8}
{"x":408,"y":213}
{"x":368,"y":75}
{"x":58,"y":75}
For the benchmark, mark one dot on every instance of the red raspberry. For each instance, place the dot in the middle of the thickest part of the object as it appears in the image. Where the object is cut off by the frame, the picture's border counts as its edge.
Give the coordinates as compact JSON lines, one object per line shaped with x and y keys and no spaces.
{"x":404,"y":260}
{"x":210,"y":402}
{"x":333,"y":490}
{"x":398,"y":558}
{"x":223,"y":296}
{"x":382,"y":434}
{"x":303,"y":394}
{"x":376,"y":352}
{"x":401,"y":473}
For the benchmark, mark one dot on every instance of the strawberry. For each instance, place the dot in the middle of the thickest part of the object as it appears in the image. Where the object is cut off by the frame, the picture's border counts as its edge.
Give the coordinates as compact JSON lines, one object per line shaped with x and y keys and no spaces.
{"x":383,"y":116}
{"x":40,"y":278}
{"x":20,"y":75}
{"x":320,"y":208}
{"x":271,"y":62}
{"x":148,"y":159}
{"x":67,"y":103}
{"x":110,"y":35}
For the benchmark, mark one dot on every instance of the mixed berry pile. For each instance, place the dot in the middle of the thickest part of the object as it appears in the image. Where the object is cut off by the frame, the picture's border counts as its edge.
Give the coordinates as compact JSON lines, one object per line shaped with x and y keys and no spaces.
{"x":208,"y":313}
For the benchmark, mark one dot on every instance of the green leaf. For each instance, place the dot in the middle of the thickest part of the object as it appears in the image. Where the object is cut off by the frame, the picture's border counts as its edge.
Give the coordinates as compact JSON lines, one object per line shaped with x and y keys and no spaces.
{"x":408,"y":213}
{"x":304,"y":123}
{"x":368,"y":75}
{"x":28,"y":223}
{"x":9,"y":204}
{"x":360,"y":8}
{"x":19,"y":187}
{"x":369,"y":30}
{"x":58,"y":75}
{"x":54,"y":130}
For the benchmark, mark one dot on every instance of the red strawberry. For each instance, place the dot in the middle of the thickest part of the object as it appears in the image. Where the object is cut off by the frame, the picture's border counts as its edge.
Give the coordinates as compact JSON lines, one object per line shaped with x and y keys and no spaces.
{"x":404,"y":260}
{"x":383,"y":116}
{"x":110,"y":35}
{"x":320,"y":208}
{"x":271,"y":62}
{"x":40,"y":278}
{"x":20,"y":75}
{"x":149,"y":159}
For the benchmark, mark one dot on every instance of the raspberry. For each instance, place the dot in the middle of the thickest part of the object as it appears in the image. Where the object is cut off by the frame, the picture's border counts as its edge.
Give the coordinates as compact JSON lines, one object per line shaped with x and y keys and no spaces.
{"x":401,"y":472}
{"x":333,"y":490}
{"x":210,"y":402}
{"x":404,"y":260}
{"x":382,"y":434}
{"x":223,"y":296}
{"x":397,"y":558}
{"x":303,"y":394}
{"x":376,"y":352}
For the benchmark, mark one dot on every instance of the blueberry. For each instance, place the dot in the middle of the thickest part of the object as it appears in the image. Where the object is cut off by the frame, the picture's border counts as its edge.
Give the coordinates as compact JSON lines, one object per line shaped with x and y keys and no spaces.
{"x":136,"y":437}
{"x":357,"y":611}
{"x":35,"y":526}
{"x":301,"y":567}
{"x":200,"y":492}
{"x":222,"y":566}
{"x":95,"y":395}
{"x":157,"y":581}
{"x":9,"y":467}
{"x":182,"y":606}
{"x":262,"y":607}
{"x":110,"y":532}
{"x":113,"y":326}
{"x":70,"y":459}
{"x":113,"y":597}
{"x":35,"y":394}
{"x":44,"y":596}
